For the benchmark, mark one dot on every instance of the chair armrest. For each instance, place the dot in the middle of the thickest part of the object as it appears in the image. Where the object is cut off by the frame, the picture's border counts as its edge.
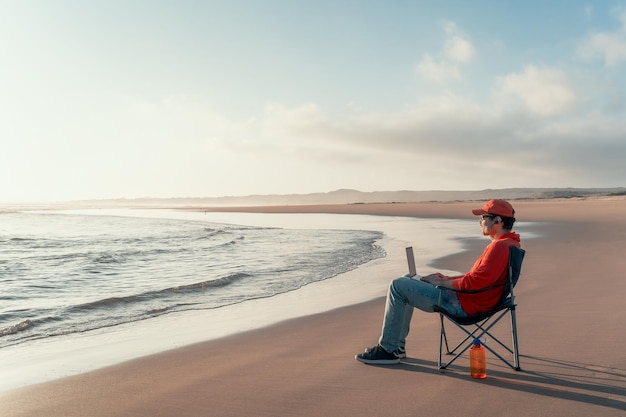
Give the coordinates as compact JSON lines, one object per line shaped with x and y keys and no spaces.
{"x":440,"y":287}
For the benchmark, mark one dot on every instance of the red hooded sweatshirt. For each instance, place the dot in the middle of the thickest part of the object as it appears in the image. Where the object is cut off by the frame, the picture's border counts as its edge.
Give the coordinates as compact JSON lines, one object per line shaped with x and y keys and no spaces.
{"x":489,"y":270}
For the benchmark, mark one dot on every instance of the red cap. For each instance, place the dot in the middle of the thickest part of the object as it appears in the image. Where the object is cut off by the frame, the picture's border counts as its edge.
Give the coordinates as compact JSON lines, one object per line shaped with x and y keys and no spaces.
{"x":499,"y":207}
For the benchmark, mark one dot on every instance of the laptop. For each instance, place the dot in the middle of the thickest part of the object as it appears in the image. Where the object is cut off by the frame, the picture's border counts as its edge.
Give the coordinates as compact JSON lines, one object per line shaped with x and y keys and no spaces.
{"x":411,"y":261}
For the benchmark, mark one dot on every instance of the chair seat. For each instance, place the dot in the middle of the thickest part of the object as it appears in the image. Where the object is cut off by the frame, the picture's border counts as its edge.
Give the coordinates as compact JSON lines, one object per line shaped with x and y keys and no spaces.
{"x":475,"y":318}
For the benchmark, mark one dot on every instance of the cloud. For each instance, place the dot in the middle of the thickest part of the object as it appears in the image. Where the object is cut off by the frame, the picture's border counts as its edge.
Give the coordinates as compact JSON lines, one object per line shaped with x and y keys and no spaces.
{"x":457,"y":46}
{"x":280,"y":117}
{"x":437,"y":71}
{"x":457,"y":50}
{"x":526,"y":143}
{"x":610,"y":46}
{"x":183,"y":146}
{"x":543,"y":92}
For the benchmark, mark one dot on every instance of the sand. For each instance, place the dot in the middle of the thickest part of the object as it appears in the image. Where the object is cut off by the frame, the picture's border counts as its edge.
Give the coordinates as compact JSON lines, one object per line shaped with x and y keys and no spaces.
{"x":571,"y":316}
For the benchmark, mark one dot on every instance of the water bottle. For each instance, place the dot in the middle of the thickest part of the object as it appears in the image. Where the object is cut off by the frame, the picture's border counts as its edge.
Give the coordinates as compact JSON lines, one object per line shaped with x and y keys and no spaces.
{"x":478,"y":362}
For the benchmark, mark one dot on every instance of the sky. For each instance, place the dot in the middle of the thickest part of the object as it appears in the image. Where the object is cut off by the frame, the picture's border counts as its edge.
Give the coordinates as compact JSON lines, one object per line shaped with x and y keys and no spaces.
{"x":131,"y":99}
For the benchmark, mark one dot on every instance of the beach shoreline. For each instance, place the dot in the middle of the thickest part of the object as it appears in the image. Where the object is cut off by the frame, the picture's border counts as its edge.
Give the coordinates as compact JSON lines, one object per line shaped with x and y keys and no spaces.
{"x":51,"y":358}
{"x":264,"y":371}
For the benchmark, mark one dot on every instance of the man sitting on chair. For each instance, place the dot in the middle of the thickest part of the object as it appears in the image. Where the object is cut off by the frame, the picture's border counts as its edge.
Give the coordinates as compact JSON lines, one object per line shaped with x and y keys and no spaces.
{"x":405,"y":293}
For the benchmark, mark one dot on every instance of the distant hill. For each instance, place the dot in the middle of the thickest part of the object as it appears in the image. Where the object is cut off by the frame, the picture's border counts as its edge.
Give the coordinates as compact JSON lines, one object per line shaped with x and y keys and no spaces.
{"x":348,"y":197}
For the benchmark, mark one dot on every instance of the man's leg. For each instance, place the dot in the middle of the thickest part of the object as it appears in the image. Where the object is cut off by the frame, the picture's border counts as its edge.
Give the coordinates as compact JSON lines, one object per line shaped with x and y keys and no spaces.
{"x":404,"y":294}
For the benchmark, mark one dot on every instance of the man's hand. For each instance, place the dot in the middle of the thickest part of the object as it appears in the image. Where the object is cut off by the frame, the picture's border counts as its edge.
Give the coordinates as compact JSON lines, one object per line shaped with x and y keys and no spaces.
{"x":434,"y":279}
{"x":438,"y":279}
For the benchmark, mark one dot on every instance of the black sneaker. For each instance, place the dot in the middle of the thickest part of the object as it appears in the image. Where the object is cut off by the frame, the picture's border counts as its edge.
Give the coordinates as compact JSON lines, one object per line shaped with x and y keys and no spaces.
{"x":401,"y":352}
{"x":378,"y":356}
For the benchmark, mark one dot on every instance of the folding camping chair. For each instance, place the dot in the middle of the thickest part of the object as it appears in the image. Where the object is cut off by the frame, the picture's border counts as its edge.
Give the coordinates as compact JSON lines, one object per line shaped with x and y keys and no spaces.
{"x":482,"y":323}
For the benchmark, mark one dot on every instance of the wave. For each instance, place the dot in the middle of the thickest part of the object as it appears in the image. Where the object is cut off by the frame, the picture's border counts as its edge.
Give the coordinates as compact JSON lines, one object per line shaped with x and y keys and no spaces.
{"x":151,"y":295}
{"x":220,"y":282}
{"x":109,"y":258}
{"x":213,"y":232}
{"x":19,"y":239}
{"x":57,"y":270}
{"x":16,"y":328}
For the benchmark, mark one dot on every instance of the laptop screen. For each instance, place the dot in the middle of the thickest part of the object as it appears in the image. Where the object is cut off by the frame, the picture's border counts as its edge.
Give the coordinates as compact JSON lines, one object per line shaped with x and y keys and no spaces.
{"x":411,"y":261}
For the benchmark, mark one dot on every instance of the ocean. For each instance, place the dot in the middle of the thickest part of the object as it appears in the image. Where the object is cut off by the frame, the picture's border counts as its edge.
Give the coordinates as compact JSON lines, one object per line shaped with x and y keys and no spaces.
{"x":69,"y":272}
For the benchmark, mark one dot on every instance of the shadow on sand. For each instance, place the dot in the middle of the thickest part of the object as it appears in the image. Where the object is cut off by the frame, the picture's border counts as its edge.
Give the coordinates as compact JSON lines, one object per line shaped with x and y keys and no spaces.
{"x":554,"y":378}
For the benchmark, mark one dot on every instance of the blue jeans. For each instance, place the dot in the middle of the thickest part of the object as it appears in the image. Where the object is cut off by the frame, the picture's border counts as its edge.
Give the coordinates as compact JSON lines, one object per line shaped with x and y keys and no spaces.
{"x":406,"y":293}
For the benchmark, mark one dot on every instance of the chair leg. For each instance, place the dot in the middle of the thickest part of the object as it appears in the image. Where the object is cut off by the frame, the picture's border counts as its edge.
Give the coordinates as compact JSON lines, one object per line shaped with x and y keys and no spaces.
{"x":486,"y":331}
{"x":515,"y":342}
{"x":442,"y":336}
{"x":443,"y":333}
